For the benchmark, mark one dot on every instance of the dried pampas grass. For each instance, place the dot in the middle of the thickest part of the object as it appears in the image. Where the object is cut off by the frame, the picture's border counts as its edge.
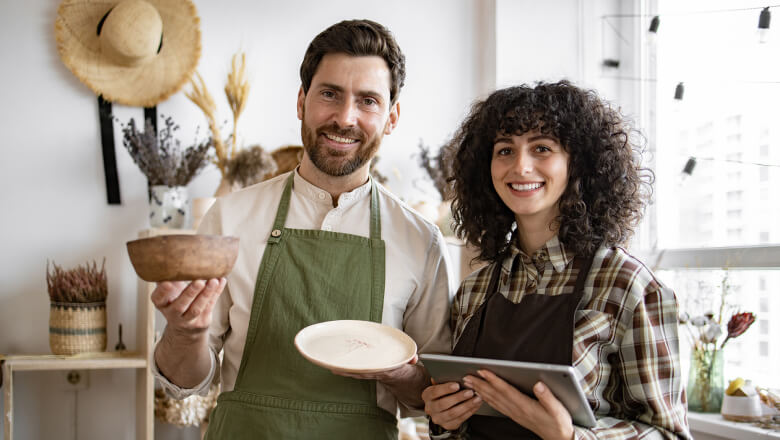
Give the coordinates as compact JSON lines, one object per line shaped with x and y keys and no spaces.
{"x":250,"y":166}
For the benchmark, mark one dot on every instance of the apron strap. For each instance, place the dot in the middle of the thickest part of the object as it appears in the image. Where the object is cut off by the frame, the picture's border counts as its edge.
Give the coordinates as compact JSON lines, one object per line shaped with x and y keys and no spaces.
{"x":281,"y":212}
{"x":376,"y":224}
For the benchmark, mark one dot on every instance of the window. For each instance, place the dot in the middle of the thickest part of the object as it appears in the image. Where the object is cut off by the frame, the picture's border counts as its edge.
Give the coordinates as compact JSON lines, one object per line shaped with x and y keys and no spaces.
{"x":723,"y":214}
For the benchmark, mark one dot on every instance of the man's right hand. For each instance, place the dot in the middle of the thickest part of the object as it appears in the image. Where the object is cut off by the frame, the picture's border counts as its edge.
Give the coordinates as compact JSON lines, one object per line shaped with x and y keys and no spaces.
{"x":187,"y":307}
{"x":182,"y":354}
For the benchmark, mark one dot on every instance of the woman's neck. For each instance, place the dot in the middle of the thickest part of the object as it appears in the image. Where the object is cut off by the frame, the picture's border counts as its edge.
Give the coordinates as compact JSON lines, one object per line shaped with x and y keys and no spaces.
{"x":532,"y":235}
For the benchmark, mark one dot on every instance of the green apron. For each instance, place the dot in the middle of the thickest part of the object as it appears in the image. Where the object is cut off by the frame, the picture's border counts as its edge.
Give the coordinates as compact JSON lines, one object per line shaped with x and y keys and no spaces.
{"x":306,"y":277}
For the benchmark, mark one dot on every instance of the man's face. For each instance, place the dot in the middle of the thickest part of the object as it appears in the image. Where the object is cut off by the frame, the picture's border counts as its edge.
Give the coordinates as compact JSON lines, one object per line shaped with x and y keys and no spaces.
{"x":346,"y":112}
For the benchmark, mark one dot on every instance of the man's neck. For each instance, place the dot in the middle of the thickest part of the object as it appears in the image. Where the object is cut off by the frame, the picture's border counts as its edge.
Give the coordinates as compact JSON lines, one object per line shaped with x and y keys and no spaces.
{"x":335,"y":186}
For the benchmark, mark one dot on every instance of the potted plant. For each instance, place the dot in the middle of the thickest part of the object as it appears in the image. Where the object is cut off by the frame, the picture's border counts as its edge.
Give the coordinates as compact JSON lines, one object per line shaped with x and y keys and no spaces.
{"x":168,"y":167}
{"x":77,"y":319}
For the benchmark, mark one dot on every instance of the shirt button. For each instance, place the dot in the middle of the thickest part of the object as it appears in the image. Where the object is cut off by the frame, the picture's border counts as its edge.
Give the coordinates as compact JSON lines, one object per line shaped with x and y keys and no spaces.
{"x":321,"y":196}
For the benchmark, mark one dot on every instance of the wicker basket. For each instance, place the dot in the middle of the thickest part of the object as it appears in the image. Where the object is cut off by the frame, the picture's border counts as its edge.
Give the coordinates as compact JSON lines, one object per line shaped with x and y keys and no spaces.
{"x":77,"y":327}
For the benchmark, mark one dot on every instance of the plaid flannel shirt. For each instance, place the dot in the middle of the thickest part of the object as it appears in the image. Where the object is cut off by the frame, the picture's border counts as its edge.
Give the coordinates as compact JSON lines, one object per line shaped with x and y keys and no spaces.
{"x":625,"y":336}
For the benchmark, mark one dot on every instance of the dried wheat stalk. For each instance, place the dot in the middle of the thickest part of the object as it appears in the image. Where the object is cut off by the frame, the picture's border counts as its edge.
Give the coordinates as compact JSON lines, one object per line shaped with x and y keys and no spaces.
{"x":84,"y":284}
{"x":237,"y":91}
{"x":201,"y":97}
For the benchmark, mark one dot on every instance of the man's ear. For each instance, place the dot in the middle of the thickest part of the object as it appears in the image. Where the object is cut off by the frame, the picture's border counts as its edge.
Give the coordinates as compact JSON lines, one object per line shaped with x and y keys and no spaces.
{"x":301,"y":99}
{"x":392,"y":120}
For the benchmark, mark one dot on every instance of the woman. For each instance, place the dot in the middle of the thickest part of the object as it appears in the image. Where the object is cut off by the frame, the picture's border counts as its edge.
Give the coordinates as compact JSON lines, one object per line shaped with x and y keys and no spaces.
{"x":548,"y":186}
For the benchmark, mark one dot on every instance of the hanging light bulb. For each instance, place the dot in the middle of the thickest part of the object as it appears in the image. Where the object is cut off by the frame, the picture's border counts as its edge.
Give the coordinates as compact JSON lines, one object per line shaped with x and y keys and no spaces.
{"x":652,"y":31}
{"x":763,"y":25}
{"x":689,"y":166}
{"x":654,"y":23}
{"x":679,"y":91}
{"x":687,"y":171}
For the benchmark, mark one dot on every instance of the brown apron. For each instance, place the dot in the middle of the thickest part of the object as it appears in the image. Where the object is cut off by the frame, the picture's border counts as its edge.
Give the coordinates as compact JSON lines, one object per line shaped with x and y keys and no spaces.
{"x":539,"y":328}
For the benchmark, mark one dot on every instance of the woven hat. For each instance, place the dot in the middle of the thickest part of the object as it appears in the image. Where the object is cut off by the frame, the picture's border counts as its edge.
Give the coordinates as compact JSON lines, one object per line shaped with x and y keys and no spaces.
{"x":132,"y":52}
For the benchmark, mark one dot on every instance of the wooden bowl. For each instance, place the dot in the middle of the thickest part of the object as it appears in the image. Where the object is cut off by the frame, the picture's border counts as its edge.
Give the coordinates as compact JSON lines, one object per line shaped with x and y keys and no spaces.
{"x":183,"y":257}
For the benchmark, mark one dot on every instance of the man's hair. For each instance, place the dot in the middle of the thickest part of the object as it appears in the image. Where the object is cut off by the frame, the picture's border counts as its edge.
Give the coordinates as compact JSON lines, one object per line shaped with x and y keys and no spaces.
{"x":356,"y":38}
{"x":606,"y":191}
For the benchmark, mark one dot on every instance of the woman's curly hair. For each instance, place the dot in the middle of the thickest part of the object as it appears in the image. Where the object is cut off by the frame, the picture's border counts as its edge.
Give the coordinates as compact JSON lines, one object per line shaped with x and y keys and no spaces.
{"x":607,"y":189}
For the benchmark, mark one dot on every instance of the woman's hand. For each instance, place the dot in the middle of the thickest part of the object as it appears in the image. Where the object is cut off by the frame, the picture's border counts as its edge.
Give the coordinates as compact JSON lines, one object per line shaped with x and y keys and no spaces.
{"x":447,"y":406}
{"x":547,"y":417}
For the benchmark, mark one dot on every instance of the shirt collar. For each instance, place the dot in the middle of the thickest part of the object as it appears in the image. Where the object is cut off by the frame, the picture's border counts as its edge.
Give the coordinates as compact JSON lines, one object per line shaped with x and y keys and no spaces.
{"x":553,"y":250}
{"x":319,"y":195}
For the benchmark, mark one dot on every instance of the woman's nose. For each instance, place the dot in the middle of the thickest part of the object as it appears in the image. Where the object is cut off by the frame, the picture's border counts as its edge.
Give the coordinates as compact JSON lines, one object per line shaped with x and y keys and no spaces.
{"x":524,"y":163}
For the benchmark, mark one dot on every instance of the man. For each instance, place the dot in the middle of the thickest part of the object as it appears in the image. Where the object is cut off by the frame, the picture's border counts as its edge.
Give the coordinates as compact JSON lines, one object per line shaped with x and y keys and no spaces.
{"x":321,"y":243}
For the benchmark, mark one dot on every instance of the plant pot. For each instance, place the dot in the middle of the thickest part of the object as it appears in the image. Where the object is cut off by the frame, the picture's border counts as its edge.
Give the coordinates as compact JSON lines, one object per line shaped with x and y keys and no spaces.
{"x":77,"y":327}
{"x":169,"y":207}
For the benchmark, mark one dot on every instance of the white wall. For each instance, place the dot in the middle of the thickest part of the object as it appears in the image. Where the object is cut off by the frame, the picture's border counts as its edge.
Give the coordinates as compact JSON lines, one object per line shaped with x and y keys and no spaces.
{"x":54,"y":193}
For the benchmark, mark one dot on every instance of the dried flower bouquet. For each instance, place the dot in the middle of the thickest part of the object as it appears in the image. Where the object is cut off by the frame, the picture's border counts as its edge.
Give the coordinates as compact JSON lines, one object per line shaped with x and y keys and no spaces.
{"x":161,"y":157}
{"x":83,"y":284}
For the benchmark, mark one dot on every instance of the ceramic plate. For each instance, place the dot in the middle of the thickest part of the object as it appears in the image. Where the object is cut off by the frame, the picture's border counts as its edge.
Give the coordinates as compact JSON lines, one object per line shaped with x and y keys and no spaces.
{"x":355,"y":346}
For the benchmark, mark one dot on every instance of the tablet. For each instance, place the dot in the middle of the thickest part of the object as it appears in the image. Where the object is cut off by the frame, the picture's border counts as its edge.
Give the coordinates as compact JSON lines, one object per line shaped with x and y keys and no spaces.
{"x":561,"y":379}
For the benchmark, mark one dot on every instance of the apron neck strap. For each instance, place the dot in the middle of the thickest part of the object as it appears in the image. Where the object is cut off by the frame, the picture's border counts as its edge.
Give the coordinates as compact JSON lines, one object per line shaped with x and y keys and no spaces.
{"x":284,"y":207}
{"x":376,"y":224}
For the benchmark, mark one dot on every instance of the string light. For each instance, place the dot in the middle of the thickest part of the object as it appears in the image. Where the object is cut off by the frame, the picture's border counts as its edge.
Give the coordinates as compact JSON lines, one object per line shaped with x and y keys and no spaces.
{"x":679,"y":91}
{"x":654,"y":23}
{"x":763,"y":25}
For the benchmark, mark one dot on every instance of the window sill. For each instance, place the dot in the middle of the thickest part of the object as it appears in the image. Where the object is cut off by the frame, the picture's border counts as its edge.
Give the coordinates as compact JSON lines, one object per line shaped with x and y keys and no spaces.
{"x":715,"y":425}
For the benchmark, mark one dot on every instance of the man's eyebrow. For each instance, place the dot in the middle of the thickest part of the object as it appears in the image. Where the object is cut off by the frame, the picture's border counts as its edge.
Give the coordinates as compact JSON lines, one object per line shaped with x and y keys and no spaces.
{"x":376,"y":95}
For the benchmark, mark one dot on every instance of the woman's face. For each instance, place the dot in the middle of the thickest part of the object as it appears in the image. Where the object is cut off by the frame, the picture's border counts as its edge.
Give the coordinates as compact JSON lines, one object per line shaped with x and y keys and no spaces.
{"x":530,"y":173}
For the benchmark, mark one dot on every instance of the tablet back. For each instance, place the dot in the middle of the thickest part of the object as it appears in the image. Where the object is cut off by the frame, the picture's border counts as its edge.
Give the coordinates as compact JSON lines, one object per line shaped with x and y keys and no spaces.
{"x":561,"y":379}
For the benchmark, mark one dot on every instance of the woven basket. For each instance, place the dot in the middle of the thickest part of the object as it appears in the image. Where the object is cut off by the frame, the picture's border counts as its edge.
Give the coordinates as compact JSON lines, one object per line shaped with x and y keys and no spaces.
{"x":77,"y":327}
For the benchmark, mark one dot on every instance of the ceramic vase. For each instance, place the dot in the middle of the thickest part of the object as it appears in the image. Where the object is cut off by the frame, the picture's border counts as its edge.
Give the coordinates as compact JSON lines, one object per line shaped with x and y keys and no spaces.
{"x":169,"y":207}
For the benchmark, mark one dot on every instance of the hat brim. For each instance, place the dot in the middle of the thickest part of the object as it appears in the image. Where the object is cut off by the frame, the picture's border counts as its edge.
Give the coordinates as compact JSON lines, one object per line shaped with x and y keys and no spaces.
{"x":143,"y":85}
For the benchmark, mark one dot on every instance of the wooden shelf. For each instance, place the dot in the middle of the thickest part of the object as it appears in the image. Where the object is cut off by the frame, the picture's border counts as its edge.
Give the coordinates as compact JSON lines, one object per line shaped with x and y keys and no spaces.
{"x":93,"y":361}
{"x":139,"y":360}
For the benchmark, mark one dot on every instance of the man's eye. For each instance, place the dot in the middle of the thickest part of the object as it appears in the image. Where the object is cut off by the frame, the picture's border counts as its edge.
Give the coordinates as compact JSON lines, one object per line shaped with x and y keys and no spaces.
{"x":328,"y":94}
{"x":369,"y":101}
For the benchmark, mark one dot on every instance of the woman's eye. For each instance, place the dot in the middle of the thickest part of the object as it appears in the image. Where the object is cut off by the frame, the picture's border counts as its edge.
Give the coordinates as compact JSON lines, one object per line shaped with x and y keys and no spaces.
{"x":503,"y":151}
{"x":543,"y":148}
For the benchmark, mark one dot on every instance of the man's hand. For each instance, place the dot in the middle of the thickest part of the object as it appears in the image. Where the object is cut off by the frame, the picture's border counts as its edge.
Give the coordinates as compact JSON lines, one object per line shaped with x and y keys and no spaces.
{"x":547,"y":417}
{"x":187,"y":307}
{"x":405,"y":382}
{"x":182,"y":355}
{"x":449,"y":406}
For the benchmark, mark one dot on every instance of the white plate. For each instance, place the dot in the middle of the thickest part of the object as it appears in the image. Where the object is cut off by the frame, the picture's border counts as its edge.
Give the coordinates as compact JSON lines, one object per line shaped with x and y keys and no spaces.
{"x":355,"y":346}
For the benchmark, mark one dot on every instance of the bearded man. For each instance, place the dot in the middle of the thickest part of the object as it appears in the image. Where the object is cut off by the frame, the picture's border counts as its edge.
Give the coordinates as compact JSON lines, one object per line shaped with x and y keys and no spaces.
{"x":323,"y":242}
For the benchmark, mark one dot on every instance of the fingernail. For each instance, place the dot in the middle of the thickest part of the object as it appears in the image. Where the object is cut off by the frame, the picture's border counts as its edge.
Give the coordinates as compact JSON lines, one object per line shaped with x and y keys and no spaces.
{"x":539,"y":388}
{"x":477,"y":398}
{"x":467,"y":382}
{"x":481,"y":373}
{"x":468,"y":393}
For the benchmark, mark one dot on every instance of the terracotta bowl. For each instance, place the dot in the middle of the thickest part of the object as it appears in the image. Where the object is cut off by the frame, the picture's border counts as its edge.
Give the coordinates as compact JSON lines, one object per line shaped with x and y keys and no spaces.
{"x":183,"y":257}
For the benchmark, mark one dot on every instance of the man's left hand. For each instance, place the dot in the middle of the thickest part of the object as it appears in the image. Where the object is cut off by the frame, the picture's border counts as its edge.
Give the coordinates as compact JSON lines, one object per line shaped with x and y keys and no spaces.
{"x":405,"y":382}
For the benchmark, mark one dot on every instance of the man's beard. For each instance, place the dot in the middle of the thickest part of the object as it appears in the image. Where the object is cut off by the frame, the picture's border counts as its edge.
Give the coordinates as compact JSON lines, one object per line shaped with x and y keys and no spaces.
{"x":333,"y":162}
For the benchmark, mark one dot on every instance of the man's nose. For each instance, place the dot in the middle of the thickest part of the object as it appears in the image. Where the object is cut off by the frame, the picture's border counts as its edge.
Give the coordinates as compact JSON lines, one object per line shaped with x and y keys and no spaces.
{"x":346,"y":114}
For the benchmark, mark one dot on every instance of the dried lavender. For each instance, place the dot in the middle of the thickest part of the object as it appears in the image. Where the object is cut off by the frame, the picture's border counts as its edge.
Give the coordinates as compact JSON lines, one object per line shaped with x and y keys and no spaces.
{"x":84,"y":284}
{"x":160,"y":157}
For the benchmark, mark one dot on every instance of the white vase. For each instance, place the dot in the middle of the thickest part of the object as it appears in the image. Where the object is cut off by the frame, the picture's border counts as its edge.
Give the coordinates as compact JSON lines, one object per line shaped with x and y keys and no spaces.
{"x":169,"y":207}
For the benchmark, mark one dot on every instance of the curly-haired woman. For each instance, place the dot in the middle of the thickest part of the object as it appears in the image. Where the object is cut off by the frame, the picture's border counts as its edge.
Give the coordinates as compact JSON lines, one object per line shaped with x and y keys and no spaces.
{"x":548,"y":186}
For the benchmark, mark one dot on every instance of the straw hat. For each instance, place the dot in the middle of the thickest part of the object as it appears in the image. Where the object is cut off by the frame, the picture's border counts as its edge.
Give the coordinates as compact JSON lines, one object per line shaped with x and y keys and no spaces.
{"x":133,"y":52}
